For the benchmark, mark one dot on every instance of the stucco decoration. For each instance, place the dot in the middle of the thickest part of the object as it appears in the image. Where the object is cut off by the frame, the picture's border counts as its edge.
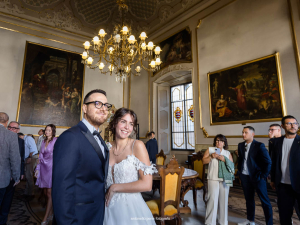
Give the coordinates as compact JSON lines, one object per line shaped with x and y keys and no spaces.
{"x":7,"y":6}
{"x":63,"y":18}
{"x":171,"y":68}
{"x":165,"y":13}
{"x":188,"y":3}
{"x":40,"y":3}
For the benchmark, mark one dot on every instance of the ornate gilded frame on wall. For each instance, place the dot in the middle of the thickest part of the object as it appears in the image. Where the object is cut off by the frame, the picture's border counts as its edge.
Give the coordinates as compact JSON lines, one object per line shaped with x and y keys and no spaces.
{"x":51,"y":89}
{"x":247,"y":93}
{"x":176,"y":49}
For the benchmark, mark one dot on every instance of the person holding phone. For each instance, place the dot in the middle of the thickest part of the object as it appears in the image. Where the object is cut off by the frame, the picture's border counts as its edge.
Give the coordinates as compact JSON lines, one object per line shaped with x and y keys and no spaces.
{"x":218,"y":190}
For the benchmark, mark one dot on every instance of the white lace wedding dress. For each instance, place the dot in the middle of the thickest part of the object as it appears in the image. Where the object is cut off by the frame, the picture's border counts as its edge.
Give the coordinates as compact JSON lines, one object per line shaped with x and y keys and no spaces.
{"x":127,"y":208}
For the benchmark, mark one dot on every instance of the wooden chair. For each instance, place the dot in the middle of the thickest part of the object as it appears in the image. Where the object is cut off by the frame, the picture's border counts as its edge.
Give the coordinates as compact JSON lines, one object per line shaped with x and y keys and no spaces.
{"x":167,"y":207}
{"x":197,"y":165}
{"x":160,"y":158}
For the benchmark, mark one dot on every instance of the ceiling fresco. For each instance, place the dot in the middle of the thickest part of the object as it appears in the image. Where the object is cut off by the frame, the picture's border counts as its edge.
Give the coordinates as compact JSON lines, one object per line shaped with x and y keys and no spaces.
{"x":88,"y":16}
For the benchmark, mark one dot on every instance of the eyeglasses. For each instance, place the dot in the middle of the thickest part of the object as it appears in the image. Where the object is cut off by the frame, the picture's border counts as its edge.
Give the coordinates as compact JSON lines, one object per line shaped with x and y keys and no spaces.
{"x":290,"y":124}
{"x":219,"y":141}
{"x":99,"y":104}
{"x":13,"y":128}
{"x":271,"y":130}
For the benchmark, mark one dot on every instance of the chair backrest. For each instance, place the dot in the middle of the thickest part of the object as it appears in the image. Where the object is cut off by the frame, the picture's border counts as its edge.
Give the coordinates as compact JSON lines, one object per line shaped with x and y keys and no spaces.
{"x":160,"y":158}
{"x":197,"y":164}
{"x":170,"y":185}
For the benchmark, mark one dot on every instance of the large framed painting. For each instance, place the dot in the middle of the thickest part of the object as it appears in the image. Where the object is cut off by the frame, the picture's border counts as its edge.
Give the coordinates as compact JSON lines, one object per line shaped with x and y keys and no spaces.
{"x":176,"y":49}
{"x":51,"y":87}
{"x":248,"y":92}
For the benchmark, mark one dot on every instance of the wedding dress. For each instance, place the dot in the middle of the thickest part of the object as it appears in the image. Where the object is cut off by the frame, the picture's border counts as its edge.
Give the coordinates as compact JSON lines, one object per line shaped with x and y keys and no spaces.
{"x":127,"y":208}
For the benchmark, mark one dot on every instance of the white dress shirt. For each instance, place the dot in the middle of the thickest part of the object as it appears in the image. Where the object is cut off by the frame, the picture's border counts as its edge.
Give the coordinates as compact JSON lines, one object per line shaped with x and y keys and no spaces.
{"x":245,"y":168}
{"x":92,"y":129}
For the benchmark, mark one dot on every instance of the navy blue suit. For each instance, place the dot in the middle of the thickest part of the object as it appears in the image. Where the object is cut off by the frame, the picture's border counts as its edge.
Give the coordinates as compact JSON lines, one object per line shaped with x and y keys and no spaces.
{"x":259,"y":166}
{"x":287,"y":193}
{"x":79,"y":175}
{"x":152,"y":149}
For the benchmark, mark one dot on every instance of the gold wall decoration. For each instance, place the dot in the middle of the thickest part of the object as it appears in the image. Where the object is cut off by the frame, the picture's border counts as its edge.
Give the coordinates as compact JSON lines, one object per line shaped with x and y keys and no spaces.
{"x":178,"y":114}
{"x":191,"y":113}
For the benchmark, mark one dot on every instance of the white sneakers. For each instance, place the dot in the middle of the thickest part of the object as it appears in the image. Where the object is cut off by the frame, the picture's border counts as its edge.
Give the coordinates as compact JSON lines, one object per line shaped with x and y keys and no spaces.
{"x":247,"y":222}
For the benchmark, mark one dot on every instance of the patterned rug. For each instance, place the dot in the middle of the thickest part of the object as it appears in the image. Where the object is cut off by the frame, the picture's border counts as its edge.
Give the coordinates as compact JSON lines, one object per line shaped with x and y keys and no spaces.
{"x":237,"y":204}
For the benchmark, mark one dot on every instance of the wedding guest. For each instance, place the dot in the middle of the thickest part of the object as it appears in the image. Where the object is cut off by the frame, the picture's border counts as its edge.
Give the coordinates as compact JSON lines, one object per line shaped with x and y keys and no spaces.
{"x":254,"y":165}
{"x":41,"y":134}
{"x":43,"y":171}
{"x":286,"y":168}
{"x":30,"y":160}
{"x":152,"y":147}
{"x":218,"y":188}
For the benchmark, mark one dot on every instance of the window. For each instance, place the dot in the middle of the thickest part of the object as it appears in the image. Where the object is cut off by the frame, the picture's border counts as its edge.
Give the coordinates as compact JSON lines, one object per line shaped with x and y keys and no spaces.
{"x":182,"y":117}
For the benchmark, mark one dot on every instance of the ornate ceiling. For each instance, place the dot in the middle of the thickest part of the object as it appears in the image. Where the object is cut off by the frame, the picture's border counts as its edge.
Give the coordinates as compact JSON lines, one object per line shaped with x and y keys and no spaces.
{"x":88,"y":16}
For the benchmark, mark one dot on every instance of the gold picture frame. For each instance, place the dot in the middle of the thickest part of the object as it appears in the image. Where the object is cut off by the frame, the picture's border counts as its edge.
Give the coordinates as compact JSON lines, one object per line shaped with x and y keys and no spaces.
{"x":52,"y":87}
{"x":249,"y":92}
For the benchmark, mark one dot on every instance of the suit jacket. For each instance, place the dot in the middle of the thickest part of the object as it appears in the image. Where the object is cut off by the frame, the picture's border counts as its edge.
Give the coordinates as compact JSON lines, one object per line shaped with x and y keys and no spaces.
{"x":152,"y":149}
{"x":10,"y":159}
{"x":22,"y":154}
{"x":79,"y":175}
{"x":258,"y":161}
{"x":294,"y":161}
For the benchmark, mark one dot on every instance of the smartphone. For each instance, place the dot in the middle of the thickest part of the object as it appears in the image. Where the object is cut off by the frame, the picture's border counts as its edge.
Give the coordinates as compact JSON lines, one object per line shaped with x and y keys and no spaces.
{"x":218,"y":151}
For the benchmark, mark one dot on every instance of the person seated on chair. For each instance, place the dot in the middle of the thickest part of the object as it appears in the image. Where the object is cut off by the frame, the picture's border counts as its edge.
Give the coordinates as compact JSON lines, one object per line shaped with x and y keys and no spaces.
{"x":219,"y":178}
{"x":152,"y":147}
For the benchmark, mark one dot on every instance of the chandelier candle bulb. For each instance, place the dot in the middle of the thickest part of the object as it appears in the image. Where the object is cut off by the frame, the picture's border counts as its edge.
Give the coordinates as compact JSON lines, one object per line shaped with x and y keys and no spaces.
{"x":152,"y":64}
{"x":90,"y":60}
{"x":96,"y":40}
{"x":87,"y":45}
{"x":101,"y":66}
{"x":110,"y":50}
{"x":84,"y":55}
{"x":143,"y":36}
{"x":157,"y":61}
{"x":102,"y":33}
{"x":143,"y":46}
{"x":117,"y":38}
{"x":157,"y":50}
{"x":125,"y":30}
{"x":131,"y":39}
{"x":138,"y":69}
{"x":111,"y":68}
{"x":150,"y":45}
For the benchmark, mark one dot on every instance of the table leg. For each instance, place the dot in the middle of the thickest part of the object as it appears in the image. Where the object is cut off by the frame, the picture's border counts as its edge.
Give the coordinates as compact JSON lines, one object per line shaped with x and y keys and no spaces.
{"x":186,"y":185}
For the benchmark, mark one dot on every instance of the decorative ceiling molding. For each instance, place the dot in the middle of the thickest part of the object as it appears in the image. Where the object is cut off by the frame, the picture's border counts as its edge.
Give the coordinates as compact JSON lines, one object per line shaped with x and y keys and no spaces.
{"x":40,"y":3}
{"x":63,"y":18}
{"x":7,"y":6}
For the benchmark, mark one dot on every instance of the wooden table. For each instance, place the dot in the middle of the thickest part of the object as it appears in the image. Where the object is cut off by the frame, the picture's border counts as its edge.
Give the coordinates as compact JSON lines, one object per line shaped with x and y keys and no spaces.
{"x":188,"y":182}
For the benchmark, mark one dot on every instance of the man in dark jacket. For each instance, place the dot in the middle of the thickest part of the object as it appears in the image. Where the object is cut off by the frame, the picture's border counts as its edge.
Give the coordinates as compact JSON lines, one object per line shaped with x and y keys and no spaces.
{"x":152,"y":147}
{"x":254,"y":165}
{"x":286,"y":168}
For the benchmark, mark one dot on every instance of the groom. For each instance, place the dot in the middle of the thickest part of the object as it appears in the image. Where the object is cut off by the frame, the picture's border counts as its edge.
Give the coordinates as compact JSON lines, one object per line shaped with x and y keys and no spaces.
{"x":80,"y":165}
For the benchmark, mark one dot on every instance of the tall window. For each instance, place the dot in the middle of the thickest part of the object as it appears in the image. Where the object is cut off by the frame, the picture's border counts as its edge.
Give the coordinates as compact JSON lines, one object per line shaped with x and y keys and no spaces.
{"x":182,"y":117}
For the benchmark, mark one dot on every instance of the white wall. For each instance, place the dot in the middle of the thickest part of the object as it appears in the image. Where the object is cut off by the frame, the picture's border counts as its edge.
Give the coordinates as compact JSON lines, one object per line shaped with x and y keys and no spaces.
{"x":243,"y":31}
{"x":12,"y":45}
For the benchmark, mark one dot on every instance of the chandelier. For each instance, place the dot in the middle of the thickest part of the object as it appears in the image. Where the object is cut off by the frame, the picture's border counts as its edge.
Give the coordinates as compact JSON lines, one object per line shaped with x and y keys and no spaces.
{"x":121,"y":51}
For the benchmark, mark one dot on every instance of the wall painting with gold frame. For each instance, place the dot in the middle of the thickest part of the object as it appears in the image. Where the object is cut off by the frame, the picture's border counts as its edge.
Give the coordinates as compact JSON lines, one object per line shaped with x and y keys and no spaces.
{"x":51,"y":87}
{"x":247,"y":93}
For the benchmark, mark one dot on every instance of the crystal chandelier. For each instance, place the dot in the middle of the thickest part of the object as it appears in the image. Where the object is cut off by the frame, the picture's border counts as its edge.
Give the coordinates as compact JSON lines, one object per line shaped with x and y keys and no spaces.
{"x":121,"y":51}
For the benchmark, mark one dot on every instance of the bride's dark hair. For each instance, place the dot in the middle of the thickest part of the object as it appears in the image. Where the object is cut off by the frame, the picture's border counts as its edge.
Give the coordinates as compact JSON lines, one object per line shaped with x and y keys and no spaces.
{"x":117,"y":117}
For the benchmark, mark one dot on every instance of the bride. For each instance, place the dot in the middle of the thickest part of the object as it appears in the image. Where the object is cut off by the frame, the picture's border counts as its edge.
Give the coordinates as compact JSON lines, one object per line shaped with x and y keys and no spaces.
{"x":129,"y":173}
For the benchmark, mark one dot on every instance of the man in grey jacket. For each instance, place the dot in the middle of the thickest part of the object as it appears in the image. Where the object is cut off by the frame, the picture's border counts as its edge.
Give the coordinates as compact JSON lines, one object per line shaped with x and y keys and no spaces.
{"x":10,"y":159}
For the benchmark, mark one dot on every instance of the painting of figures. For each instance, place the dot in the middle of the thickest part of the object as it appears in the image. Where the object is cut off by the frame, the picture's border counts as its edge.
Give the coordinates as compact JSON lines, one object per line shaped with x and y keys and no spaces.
{"x":247,"y":93}
{"x":176,"y":49}
{"x":51,"y":87}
